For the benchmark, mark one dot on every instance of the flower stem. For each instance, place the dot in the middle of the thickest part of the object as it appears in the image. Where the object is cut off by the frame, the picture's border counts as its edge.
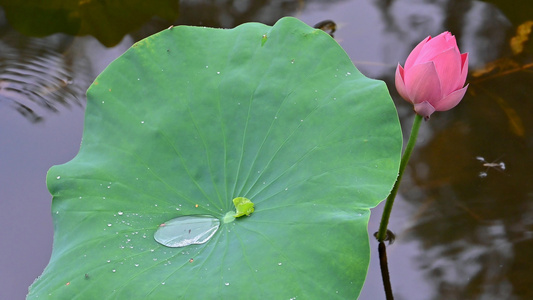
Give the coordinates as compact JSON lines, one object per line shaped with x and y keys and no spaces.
{"x":382,"y":233}
{"x":382,"y":249}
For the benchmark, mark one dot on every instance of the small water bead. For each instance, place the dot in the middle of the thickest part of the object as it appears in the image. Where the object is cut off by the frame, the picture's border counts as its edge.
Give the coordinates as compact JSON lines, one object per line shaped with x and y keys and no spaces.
{"x":218,"y":73}
{"x":142,"y":122}
{"x":226,"y":284}
{"x":109,"y":225}
{"x":120,"y":213}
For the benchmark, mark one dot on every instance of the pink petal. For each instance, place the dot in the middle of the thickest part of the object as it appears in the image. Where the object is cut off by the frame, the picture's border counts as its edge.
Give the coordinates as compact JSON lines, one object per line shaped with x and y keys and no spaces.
{"x":464,"y":69}
{"x":448,"y":65}
{"x":411,"y":59}
{"x":400,"y":84}
{"x":424,"y":109}
{"x":451,"y":100}
{"x":450,"y":38}
{"x":444,"y":41}
{"x":441,"y":43}
{"x":422,"y":83}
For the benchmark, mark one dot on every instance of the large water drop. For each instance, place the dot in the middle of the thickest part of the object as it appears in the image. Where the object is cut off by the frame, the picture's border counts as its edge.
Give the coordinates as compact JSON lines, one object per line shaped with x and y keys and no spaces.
{"x":187,"y":230}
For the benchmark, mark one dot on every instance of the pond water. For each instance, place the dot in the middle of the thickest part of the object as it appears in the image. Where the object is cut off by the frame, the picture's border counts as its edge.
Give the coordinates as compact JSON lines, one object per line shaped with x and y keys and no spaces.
{"x":464,"y":227}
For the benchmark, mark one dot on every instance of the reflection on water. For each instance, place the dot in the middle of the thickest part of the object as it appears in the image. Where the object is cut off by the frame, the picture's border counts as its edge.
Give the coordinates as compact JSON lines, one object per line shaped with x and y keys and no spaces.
{"x":475,"y":233}
{"x":38,"y":74}
{"x":476,"y":228}
{"x":108,"y":21}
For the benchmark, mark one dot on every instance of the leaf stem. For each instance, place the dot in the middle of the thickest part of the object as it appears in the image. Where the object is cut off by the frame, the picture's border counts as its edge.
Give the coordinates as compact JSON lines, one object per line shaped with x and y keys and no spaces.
{"x":382,"y":233}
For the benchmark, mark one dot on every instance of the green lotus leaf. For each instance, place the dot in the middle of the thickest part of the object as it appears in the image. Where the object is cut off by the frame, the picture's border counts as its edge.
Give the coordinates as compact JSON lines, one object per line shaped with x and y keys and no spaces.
{"x":191,"y":118}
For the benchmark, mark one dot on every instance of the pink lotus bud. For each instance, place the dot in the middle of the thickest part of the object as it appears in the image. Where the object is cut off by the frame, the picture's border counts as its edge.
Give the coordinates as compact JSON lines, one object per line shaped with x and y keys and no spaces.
{"x":434,"y":75}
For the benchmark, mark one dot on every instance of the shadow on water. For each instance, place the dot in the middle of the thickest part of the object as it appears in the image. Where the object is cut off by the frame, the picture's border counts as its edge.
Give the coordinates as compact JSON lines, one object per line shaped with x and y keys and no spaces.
{"x":474,"y":233}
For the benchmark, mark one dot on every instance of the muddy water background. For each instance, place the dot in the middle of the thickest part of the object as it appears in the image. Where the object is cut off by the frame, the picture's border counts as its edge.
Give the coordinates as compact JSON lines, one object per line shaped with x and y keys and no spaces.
{"x":459,"y":235}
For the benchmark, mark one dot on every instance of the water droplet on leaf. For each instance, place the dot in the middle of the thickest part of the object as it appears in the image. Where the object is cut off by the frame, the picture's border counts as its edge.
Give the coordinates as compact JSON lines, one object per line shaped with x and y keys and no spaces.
{"x":187,"y":230}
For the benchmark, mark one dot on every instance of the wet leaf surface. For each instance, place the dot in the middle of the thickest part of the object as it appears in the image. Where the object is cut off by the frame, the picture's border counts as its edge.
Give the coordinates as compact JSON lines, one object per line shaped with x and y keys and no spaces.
{"x":191,"y":118}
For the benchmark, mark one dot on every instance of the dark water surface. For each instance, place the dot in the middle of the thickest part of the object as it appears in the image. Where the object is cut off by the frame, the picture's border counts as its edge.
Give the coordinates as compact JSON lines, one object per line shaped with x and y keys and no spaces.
{"x":464,"y":230}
